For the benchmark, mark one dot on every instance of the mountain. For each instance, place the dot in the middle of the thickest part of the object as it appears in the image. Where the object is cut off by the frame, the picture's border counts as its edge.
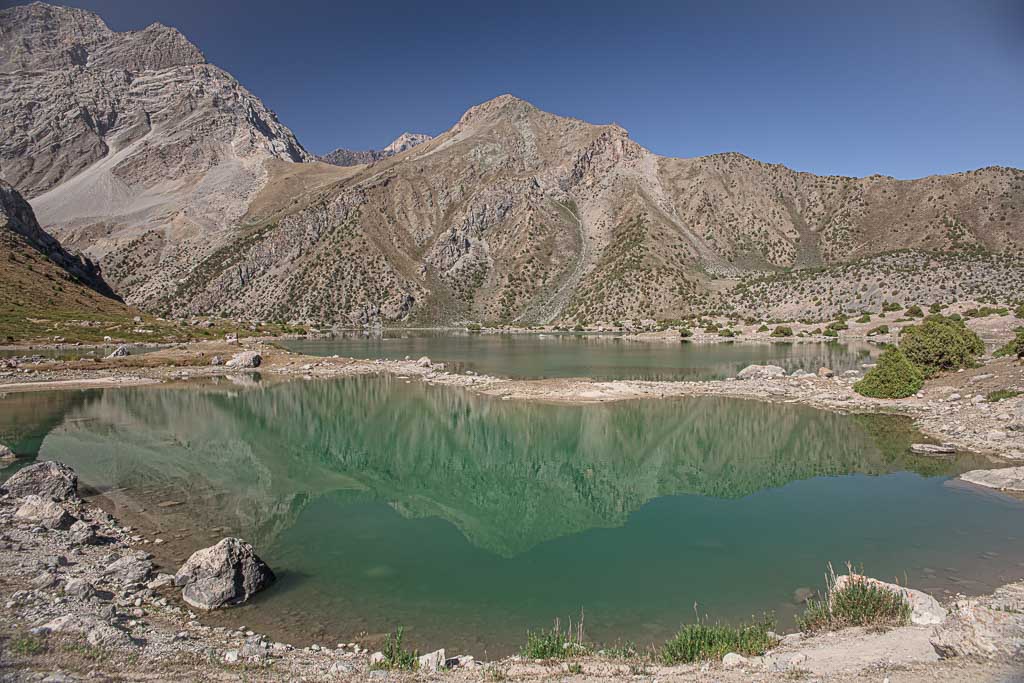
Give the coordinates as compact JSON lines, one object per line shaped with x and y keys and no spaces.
{"x":40,"y":278}
{"x":185,"y":188}
{"x":348,"y":157}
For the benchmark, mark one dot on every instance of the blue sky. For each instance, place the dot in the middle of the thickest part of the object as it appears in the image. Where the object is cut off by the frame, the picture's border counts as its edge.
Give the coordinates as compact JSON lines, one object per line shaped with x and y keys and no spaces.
{"x":903,"y":88}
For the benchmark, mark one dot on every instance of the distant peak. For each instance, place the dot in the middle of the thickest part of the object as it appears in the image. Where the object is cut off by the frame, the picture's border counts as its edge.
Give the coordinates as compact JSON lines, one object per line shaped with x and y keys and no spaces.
{"x":406,"y":141}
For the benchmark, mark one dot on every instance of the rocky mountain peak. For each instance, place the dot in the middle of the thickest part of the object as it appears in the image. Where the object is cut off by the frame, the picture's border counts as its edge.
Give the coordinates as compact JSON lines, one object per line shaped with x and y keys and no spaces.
{"x":406,"y":141}
{"x":500,"y":106}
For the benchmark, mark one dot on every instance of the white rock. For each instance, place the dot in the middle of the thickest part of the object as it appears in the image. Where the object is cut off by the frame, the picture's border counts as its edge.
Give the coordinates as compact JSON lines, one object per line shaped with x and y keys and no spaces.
{"x":1004,"y":478}
{"x":432,"y":661}
{"x":733,"y":660}
{"x":761,"y":372}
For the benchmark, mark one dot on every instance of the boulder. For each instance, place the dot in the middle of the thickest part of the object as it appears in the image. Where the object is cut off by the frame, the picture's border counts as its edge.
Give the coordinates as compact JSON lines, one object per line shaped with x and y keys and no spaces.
{"x":733,"y":660}
{"x":1004,"y":478}
{"x":432,"y":661}
{"x":6,"y":454}
{"x":825,"y":372}
{"x":79,"y":588}
{"x":119,"y":352}
{"x":129,"y":569}
{"x":988,"y":627}
{"x":933,"y":448}
{"x":925,"y":609}
{"x":227,"y":573}
{"x":761,"y":372}
{"x":48,"y":513}
{"x":83,"y":533}
{"x":48,"y":479}
{"x":245,"y":359}
{"x":216,"y":360}
{"x":423,"y":362}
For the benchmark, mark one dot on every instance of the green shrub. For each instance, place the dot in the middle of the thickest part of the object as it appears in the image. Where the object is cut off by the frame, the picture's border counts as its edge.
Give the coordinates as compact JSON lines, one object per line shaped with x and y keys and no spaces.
{"x":891,"y":306}
{"x":685,"y":332}
{"x":1019,"y":312}
{"x":473,"y":327}
{"x":894,"y":376}
{"x":858,"y":602}
{"x":914,"y":312}
{"x":700,"y":641}
{"x":838,"y":325}
{"x":830,"y":333}
{"x":935,"y":308}
{"x":395,"y":656}
{"x":1014,"y":347}
{"x":881,"y":329}
{"x":763,"y":328}
{"x":940,"y":343}
{"x":864,"y":318}
{"x":726,"y":332}
{"x":554,"y":643}
{"x":1001,"y":394}
{"x":782,"y":331}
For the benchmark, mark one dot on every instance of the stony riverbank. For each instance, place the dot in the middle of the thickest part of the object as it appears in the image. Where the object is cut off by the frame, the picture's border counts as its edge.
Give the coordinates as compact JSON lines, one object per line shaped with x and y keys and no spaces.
{"x":82,"y":599}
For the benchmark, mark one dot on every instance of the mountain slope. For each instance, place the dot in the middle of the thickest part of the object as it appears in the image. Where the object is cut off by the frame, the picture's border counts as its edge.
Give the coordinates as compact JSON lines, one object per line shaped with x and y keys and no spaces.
{"x":348,"y":157}
{"x":183,"y":186}
{"x":41,"y":279}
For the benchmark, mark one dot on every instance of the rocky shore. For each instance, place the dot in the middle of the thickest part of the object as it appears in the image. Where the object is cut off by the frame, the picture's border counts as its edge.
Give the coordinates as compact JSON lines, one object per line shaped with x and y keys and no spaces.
{"x":82,"y":599}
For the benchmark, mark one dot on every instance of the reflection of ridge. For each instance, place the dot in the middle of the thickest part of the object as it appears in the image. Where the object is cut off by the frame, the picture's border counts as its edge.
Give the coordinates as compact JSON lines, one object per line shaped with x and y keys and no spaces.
{"x":507,"y":475}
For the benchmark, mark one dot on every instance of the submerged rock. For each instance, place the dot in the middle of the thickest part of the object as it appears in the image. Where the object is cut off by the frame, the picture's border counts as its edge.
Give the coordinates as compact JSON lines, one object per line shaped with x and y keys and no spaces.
{"x":761,"y":372}
{"x":47,"y":479}
{"x":1006,"y":478}
{"x":933,"y":448}
{"x":245,"y":359}
{"x":49,"y":513}
{"x":228,"y":573}
{"x":925,"y":609}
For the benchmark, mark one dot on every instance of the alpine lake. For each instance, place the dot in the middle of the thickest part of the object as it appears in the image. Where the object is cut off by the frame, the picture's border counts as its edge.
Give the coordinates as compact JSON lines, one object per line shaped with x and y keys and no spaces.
{"x":381,"y":502}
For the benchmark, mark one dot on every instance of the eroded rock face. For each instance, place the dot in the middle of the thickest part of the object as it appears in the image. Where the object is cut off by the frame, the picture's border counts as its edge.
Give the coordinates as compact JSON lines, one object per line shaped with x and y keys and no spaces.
{"x":49,"y":479}
{"x":988,"y":627}
{"x":925,"y":609}
{"x":228,"y":573}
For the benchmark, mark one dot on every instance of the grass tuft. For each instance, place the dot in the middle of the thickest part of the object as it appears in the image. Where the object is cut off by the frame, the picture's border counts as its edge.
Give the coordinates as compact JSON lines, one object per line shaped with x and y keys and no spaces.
{"x":858,"y":602}
{"x":554,"y":643}
{"x":703,"y":641}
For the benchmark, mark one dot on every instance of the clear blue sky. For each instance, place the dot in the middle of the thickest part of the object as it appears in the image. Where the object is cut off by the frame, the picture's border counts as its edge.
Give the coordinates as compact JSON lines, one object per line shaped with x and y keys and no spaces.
{"x":900,"y":87}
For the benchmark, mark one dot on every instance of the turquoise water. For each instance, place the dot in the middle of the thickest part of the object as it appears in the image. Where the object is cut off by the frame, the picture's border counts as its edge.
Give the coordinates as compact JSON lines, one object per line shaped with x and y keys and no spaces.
{"x":586,"y":355}
{"x":470,"y":520}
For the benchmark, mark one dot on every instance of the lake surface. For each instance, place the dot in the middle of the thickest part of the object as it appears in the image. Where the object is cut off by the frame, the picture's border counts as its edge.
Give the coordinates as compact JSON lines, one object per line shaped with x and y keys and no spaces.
{"x":470,"y":520}
{"x":599,"y":356}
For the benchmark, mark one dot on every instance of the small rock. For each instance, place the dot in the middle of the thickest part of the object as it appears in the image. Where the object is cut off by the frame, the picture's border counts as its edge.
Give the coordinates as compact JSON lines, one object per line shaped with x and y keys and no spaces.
{"x":423,"y":362}
{"x":79,"y":588}
{"x":119,"y":352}
{"x":6,"y":454}
{"x":231,"y":656}
{"x":216,"y":360}
{"x":933,"y":449}
{"x":733,"y":660}
{"x":432,"y":661}
{"x":129,"y":570}
{"x":82,"y":533}
{"x":825,"y":372}
{"x":376,"y":658}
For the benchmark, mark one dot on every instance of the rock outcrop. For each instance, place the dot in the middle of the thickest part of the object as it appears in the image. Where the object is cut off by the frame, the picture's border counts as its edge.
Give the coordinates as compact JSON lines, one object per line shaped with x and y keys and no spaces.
{"x":245,"y":359}
{"x":1004,"y":478}
{"x":990,"y":627}
{"x":228,"y":573}
{"x":51,"y":480}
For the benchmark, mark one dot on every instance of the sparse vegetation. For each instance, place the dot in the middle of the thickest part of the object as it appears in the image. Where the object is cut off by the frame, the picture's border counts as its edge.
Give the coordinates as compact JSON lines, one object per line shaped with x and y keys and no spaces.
{"x":397,"y":657}
{"x":702,"y":641}
{"x":782,"y":331}
{"x":1001,"y":395}
{"x":1014,"y":347}
{"x":875,"y":331}
{"x":857,"y":602}
{"x":554,"y":643}
{"x":893,"y":376}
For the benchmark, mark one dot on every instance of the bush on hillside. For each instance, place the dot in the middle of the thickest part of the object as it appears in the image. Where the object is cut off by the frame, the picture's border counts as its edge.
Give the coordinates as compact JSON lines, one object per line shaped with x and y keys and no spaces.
{"x":857,"y":602}
{"x":940,"y":343}
{"x":782,"y":331}
{"x":894,"y":376}
{"x":1014,"y":347}
{"x":685,"y":332}
{"x":881,"y":329}
{"x":914,"y":312}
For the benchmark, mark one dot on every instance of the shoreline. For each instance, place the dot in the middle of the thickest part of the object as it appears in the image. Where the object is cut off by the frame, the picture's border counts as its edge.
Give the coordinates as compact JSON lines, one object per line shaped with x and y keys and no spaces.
{"x":165,"y":619}
{"x":108,"y":606}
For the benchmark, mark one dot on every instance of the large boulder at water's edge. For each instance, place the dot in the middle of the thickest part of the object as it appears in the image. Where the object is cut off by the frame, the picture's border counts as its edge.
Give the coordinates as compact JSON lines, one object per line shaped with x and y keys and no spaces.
{"x":924,"y":608}
{"x":6,"y":454}
{"x":761,"y":372}
{"x":990,"y":627}
{"x":1004,"y":478}
{"x":47,"y":479}
{"x":245,"y":359}
{"x":228,"y":573}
